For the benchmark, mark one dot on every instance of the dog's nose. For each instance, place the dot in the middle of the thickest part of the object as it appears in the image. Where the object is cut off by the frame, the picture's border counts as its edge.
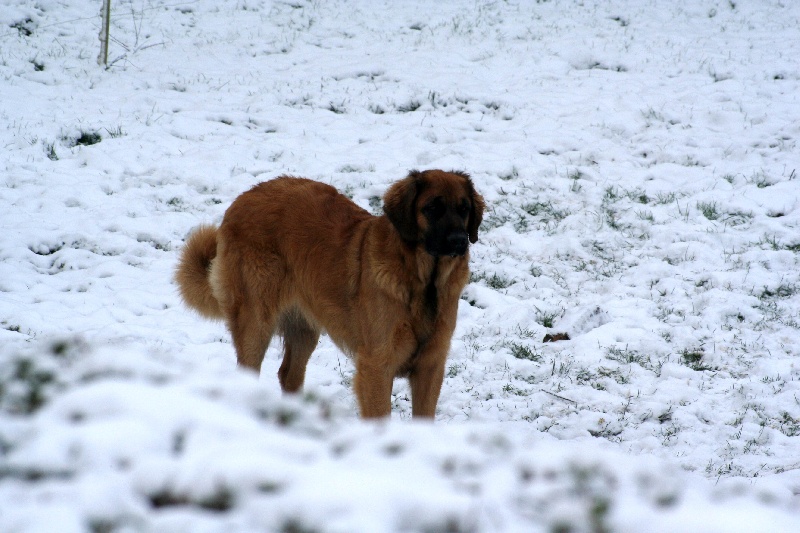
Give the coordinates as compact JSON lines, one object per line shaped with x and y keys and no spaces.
{"x":457,"y":242}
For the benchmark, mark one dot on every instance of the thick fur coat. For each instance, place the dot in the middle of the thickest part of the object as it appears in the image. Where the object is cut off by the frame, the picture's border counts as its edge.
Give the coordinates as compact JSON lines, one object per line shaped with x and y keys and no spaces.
{"x":295,"y":257}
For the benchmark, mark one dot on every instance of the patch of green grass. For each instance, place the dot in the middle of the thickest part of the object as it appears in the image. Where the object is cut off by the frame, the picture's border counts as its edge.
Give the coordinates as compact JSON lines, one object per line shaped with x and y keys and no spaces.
{"x":26,"y":383}
{"x":524,"y":332}
{"x":471,"y":301}
{"x":612,"y":219}
{"x":709,"y":210}
{"x":546,"y":318}
{"x":615,"y":374}
{"x":546,"y":211}
{"x":789,"y":425}
{"x":339,"y":108}
{"x":595,"y":379}
{"x":637,"y":195}
{"x":627,"y":356}
{"x":115,"y":132}
{"x":665,"y":198}
{"x":84,"y":138}
{"x":693,"y":358}
{"x":375,"y":203}
{"x":220,"y":500}
{"x":610,"y":216}
{"x":575,"y":176}
{"x":495,"y":281}
{"x":88,"y":138}
{"x":521,"y":225}
{"x":782,"y":291}
{"x":651,"y":115}
{"x":737,"y":218}
{"x":495,"y":219}
{"x":50,"y":150}
{"x":584,"y":375}
{"x":25,"y":27}
{"x":521,"y":351}
{"x":516,"y":391}
{"x":453,"y":371}
{"x":593,"y":487}
{"x":760,"y":180}
{"x":33,"y":382}
{"x":611,"y":194}
{"x":176,"y":203}
{"x":769,"y":240}
{"x":409,"y":107}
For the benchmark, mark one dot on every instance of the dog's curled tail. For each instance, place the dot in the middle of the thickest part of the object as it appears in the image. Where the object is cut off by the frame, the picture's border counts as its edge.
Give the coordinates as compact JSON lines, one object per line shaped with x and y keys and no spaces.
{"x":193,"y":272}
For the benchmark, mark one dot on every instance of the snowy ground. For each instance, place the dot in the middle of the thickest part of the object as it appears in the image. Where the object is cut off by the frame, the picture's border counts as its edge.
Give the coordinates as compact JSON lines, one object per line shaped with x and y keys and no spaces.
{"x":640,"y":163}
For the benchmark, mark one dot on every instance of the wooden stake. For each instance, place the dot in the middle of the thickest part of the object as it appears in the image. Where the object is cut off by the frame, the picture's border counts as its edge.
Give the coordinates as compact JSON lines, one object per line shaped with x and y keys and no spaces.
{"x":105,"y":18}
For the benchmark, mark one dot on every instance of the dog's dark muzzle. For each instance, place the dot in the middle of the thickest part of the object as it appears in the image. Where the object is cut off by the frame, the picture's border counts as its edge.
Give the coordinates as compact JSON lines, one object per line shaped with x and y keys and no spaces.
{"x":451,"y":243}
{"x":455,"y":244}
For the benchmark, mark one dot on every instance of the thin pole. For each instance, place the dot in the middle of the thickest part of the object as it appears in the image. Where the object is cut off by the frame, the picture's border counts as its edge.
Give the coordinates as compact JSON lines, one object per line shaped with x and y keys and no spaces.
{"x":105,"y":17}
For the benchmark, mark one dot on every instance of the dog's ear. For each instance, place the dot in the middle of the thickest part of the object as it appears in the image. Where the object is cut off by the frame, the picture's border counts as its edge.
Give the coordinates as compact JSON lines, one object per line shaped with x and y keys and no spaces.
{"x":476,"y":211}
{"x":399,"y":204}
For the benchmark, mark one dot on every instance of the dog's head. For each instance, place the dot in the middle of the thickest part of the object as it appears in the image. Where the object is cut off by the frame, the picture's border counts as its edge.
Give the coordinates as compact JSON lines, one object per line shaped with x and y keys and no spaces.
{"x":440,"y":210}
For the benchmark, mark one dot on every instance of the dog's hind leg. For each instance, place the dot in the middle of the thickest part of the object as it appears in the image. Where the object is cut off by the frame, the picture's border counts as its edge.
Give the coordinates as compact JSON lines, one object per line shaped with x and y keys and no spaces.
{"x":251,"y":334}
{"x":299,"y":340}
{"x":248,"y":300}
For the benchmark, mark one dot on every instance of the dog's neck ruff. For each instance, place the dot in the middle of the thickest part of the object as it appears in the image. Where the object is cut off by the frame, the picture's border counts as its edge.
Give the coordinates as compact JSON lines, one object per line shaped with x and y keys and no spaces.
{"x":431,"y":293}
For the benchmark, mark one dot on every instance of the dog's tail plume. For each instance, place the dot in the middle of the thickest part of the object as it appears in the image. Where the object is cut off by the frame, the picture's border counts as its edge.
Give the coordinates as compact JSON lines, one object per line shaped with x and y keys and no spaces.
{"x":192,"y":274}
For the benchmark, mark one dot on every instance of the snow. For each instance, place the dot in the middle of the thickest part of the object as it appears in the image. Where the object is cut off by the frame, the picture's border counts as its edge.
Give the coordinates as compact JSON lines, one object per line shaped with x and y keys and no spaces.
{"x":639,"y":162}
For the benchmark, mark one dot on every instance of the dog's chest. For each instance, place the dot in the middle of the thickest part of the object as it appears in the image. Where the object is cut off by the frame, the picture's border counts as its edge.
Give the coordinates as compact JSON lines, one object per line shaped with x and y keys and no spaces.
{"x":424,"y":310}
{"x":431,"y":303}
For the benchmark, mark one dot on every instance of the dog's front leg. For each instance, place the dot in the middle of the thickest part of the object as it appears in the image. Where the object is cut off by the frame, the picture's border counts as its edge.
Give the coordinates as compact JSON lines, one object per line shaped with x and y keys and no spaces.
{"x":427,"y":375}
{"x":426,"y":383}
{"x":373,"y":386}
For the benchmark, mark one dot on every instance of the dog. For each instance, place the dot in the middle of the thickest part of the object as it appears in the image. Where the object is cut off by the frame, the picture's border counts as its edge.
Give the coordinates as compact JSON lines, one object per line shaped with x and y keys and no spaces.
{"x":295,"y":257}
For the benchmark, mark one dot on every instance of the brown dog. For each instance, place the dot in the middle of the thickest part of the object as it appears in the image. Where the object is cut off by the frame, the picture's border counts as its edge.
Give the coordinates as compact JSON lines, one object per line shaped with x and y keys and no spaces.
{"x":294,"y":256}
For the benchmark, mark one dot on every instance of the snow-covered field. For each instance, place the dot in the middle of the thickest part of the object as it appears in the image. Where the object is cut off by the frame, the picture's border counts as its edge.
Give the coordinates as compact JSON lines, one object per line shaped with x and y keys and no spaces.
{"x":640,"y":164}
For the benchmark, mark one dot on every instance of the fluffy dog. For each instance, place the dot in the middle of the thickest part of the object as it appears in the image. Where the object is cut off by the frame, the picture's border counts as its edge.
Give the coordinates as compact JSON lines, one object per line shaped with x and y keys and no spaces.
{"x":294,"y":257}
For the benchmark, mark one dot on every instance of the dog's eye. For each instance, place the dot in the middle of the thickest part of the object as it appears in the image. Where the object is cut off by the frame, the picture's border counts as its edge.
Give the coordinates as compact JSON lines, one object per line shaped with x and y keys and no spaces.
{"x":435,"y":209}
{"x":463,"y":209}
